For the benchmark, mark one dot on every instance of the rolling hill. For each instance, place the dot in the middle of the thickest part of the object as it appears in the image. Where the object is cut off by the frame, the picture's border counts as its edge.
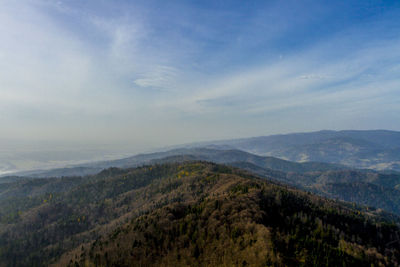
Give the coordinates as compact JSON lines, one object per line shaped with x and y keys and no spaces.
{"x":374,"y":149}
{"x":208,"y":154}
{"x":179,"y":214}
{"x":383,"y":188}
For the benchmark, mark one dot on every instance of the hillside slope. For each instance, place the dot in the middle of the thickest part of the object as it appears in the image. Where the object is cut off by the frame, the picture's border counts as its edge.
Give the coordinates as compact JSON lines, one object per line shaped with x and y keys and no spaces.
{"x":192,"y":213}
{"x":374,"y":189}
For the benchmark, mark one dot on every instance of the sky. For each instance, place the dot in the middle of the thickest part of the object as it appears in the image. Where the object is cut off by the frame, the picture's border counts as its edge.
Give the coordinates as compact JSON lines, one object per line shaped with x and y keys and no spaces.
{"x":144,"y":74}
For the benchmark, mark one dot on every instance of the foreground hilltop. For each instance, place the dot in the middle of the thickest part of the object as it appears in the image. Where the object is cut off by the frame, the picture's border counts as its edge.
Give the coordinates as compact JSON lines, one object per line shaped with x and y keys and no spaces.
{"x":179,"y":214}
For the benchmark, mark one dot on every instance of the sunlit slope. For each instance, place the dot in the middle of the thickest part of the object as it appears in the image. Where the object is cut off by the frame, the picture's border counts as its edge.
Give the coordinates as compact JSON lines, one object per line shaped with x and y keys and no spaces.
{"x":192,"y":213}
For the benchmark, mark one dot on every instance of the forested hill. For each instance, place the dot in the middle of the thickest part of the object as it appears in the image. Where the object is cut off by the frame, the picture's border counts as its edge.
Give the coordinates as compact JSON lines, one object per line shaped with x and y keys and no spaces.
{"x":378,"y":190}
{"x":180,"y":214}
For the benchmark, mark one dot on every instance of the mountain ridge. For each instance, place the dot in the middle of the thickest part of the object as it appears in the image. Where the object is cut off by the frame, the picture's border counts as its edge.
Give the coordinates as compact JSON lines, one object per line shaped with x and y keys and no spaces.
{"x":371,"y":149}
{"x":311,"y":176}
{"x":374,"y":149}
{"x":216,"y":155}
{"x":165,"y":214}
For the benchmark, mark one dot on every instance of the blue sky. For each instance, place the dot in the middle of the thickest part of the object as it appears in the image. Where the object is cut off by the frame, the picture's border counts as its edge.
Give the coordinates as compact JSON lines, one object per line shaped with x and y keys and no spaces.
{"x":143,"y":74}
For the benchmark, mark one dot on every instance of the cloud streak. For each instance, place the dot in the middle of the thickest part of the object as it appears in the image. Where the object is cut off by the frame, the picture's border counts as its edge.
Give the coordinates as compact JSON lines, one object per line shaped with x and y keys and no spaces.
{"x":147,"y":72}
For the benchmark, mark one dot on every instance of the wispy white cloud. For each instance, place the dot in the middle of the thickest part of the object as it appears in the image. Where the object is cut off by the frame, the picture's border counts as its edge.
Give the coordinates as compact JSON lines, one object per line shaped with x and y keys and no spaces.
{"x":133,"y":72}
{"x":159,"y":77}
{"x":303,"y":80}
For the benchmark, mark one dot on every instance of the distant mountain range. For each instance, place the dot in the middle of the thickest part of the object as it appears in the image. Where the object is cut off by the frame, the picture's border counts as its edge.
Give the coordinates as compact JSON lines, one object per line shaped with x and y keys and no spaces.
{"x":334,"y":178}
{"x":377,"y":149}
{"x":206,"y":154}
